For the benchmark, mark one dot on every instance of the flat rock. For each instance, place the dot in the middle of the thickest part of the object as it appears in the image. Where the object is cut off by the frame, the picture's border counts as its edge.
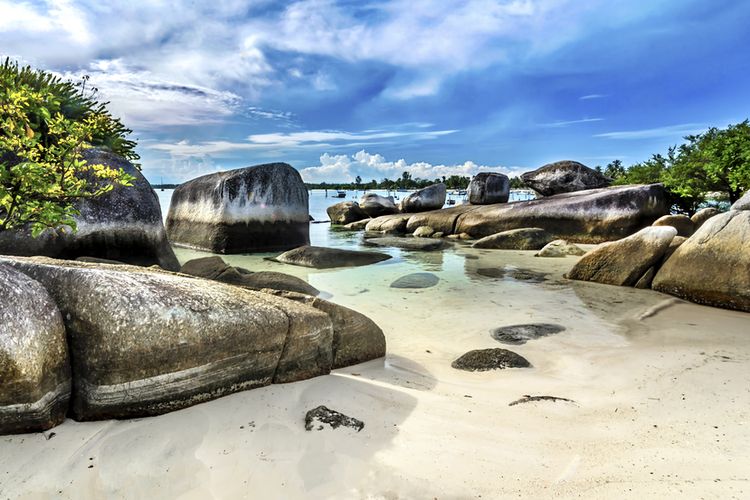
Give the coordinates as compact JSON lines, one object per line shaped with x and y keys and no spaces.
{"x":684,"y":225}
{"x":326,"y":258}
{"x":564,"y":177}
{"x":318,"y":418}
{"x":416,"y":280}
{"x":429,"y":198}
{"x":480,"y":360}
{"x":487,"y":188}
{"x":624,"y":262}
{"x":532,"y":238}
{"x":443,"y":221}
{"x":560,"y":248}
{"x":421,"y":244}
{"x":520,"y":334}
{"x":346,"y":212}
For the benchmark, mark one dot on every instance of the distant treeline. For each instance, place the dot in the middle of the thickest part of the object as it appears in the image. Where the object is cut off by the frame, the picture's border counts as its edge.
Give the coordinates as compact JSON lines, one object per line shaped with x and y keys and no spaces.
{"x":404,"y":182}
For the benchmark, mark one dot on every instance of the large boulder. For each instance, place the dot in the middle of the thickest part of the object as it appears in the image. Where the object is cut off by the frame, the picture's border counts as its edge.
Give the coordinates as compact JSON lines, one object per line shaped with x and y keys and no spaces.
{"x":346,"y":212}
{"x":589,"y":216}
{"x":624,"y":262}
{"x":684,"y":225}
{"x":487,"y":188}
{"x":429,"y":198}
{"x":124,"y":224}
{"x":145,"y":342}
{"x":743,"y":203}
{"x":326,"y":258}
{"x":703,"y":215}
{"x":375,"y":205}
{"x":215,"y":268}
{"x":34,"y":363}
{"x":388,"y":224}
{"x":712,"y":267}
{"x":253,"y":209}
{"x":528,"y":238}
{"x":564,"y":177}
{"x":357,"y":226}
{"x":442,"y":221}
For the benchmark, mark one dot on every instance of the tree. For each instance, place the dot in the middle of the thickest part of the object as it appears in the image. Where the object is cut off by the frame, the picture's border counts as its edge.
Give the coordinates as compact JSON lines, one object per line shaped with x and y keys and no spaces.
{"x":45,"y":124}
{"x":358,"y":181}
{"x":614,"y":169}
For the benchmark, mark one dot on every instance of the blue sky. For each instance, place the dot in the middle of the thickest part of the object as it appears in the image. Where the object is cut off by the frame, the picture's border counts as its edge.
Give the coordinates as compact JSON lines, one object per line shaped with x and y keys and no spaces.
{"x":347,"y":88}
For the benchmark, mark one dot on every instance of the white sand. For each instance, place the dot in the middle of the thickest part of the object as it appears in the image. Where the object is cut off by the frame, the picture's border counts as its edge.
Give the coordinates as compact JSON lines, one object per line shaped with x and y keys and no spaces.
{"x":662,"y":405}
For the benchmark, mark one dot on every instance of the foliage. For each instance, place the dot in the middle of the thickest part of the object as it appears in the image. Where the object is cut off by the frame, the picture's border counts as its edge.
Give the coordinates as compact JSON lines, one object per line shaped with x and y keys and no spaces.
{"x":404,"y":182}
{"x":614,"y":169}
{"x":45,"y":125}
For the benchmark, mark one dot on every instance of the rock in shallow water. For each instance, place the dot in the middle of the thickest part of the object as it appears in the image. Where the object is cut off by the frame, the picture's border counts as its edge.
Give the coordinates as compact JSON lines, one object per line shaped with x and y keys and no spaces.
{"x":259,"y":208}
{"x":34,"y":362}
{"x":530,"y":238}
{"x":560,"y":248}
{"x":375,"y":205}
{"x":520,"y":334}
{"x":490,"y":359}
{"x":321,"y":416}
{"x":326,"y":258}
{"x":429,"y":198}
{"x":416,"y":280}
{"x":421,"y":244}
{"x":346,"y":212}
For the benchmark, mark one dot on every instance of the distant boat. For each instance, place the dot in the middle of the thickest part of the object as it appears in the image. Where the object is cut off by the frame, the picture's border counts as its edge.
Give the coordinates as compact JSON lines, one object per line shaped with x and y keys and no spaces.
{"x":451,"y":202}
{"x":340,"y":194}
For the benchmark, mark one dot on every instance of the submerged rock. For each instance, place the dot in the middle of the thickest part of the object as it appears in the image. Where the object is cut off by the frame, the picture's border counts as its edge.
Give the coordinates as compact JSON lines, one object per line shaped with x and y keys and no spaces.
{"x":375,"y":205}
{"x":416,"y":280}
{"x":321,"y":416}
{"x":480,"y":360}
{"x":253,"y":209}
{"x":560,"y":248}
{"x":421,"y":244}
{"x":429,"y":198}
{"x":124,"y":224}
{"x":530,"y":238}
{"x":325,"y":258}
{"x":624,"y":262}
{"x":487,"y":188}
{"x":346,"y":212}
{"x":684,"y":225}
{"x":712,"y":267}
{"x":34,"y":362}
{"x":520,"y":334}
{"x":564,"y":177}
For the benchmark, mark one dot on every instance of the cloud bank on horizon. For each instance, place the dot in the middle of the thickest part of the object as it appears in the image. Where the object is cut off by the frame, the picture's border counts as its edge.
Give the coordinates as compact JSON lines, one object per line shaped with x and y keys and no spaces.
{"x":373,"y":88}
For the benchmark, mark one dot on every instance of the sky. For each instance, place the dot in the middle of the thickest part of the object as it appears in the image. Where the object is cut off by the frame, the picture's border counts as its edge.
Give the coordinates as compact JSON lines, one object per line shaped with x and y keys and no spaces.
{"x":348,"y":88}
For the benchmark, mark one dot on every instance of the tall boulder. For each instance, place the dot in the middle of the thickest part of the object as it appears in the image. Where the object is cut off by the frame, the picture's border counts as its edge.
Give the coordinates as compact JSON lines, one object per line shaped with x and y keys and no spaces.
{"x":712,"y":267}
{"x":564,"y":177}
{"x":346,"y":212}
{"x":429,"y":198}
{"x":487,"y":188}
{"x":253,"y":209}
{"x":375,"y":205}
{"x":124,"y":224}
{"x":34,"y":363}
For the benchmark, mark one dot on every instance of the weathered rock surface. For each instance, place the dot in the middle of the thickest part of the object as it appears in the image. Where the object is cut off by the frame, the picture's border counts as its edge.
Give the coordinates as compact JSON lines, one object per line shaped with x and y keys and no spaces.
{"x":318,"y":418}
{"x":416,"y":280}
{"x":564,"y":177}
{"x":530,"y":238}
{"x":214,"y":268}
{"x":429,"y":198}
{"x":124,"y":224}
{"x":443,"y":221}
{"x":520,"y":334}
{"x":703,"y":215}
{"x":357,"y":226}
{"x":424,"y":232}
{"x":589,"y":216}
{"x":145,"y":342}
{"x":34,"y":363}
{"x":253,"y":209}
{"x":684,"y":225}
{"x":326,"y":258}
{"x":560,"y":248}
{"x":712,"y":267}
{"x":346,"y":212}
{"x":487,"y":188}
{"x":421,"y":244}
{"x":395,"y":223}
{"x":356,"y":338}
{"x":624,"y":262}
{"x":480,"y":360}
{"x":743,"y":203}
{"x":375,"y":205}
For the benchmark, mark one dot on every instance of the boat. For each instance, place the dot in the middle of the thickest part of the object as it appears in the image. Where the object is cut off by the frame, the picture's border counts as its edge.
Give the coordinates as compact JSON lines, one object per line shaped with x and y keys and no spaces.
{"x":340,"y":194}
{"x":451,"y":201}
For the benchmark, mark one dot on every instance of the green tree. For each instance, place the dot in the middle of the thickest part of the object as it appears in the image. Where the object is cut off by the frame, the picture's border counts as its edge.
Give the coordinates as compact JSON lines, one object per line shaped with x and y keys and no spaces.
{"x":45,"y":125}
{"x":614,"y":169}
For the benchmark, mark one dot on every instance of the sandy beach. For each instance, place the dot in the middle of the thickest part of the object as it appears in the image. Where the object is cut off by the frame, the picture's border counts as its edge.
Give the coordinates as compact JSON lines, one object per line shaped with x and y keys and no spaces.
{"x":661,"y":392}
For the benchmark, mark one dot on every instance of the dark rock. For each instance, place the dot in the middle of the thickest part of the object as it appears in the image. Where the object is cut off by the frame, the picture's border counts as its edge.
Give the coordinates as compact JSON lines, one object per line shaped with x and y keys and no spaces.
{"x":422,"y":244}
{"x":560,"y":248}
{"x":416,"y":280}
{"x":684,"y":225}
{"x":625,"y":261}
{"x":388,"y":224}
{"x":429,"y":198}
{"x":316,"y":418}
{"x":124,"y":224}
{"x":712,"y":267}
{"x":532,"y":399}
{"x":253,"y":209}
{"x":34,"y":363}
{"x":529,"y":238}
{"x":345,"y":212}
{"x":487,"y":188}
{"x":564,"y":177}
{"x":703,"y":215}
{"x":520,"y":334}
{"x":145,"y":342}
{"x":743,"y":203}
{"x":325,"y":258}
{"x":480,"y":360}
{"x":583,"y":217}
{"x":375,"y":205}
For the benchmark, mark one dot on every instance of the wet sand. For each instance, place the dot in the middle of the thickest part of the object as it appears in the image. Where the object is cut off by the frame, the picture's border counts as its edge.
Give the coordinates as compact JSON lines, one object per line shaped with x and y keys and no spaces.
{"x":661,"y":390}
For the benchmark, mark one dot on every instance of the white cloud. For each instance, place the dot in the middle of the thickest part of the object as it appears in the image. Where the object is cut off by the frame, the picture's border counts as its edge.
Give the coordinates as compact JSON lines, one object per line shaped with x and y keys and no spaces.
{"x":570,"y":122}
{"x":588,"y":97}
{"x":345,"y":168}
{"x":675,"y":131}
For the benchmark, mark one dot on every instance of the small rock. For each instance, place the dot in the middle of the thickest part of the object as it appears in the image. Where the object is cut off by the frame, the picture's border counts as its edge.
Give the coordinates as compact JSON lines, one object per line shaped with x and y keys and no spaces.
{"x":490,"y":359}
{"x":416,"y":280}
{"x":357,"y":226}
{"x":560,"y":248}
{"x":438,"y":235}
{"x":520,"y":334}
{"x":316,"y":418}
{"x":424,"y":232}
{"x":326,"y":258}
